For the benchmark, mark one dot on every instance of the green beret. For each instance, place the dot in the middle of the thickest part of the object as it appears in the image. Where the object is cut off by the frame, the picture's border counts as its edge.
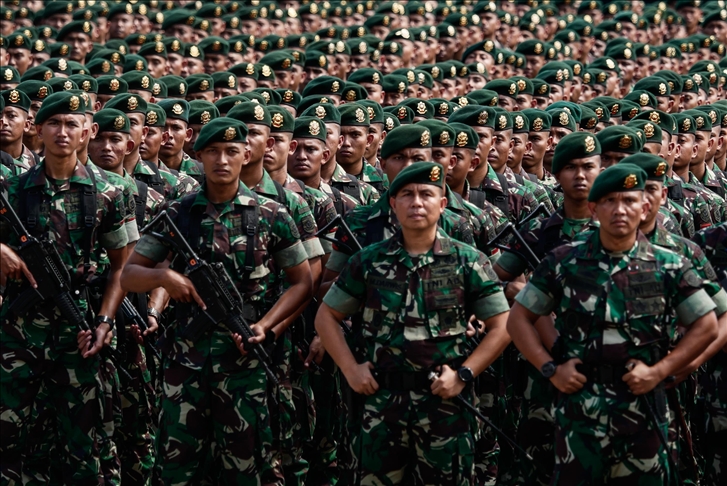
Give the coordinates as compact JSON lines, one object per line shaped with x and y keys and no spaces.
{"x":716,"y":15}
{"x":655,"y":85}
{"x":139,"y":80}
{"x":120,"y":9}
{"x":175,"y":109}
{"x":520,"y":123}
{"x":600,"y":109}
{"x":429,"y":173}
{"x":702,"y":120}
{"x":251,"y":114}
{"x":61,"y":84}
{"x":353,"y":92}
{"x":394,"y":83}
{"x":654,"y":166}
{"x":421,"y":108}
{"x":652,"y":132}
{"x":539,"y":120}
{"x":19,"y":41}
{"x":714,"y":112}
{"x":114,"y":45}
{"x":462,"y":101}
{"x":134,"y":62}
{"x":77,"y":26}
{"x":324,"y":86}
{"x":442,"y":134}
{"x":201,"y":112}
{"x":289,"y":97}
{"x":576,"y":145}
{"x":617,"y":178}
{"x":16,"y":99}
{"x":689,"y":86}
{"x":376,"y":112}
{"x":200,"y":83}
{"x":111,"y":85}
{"x":99,"y":67}
{"x":484,"y":97}
{"x":57,"y":8}
{"x":176,"y":86}
{"x":155,"y":116}
{"x":128,"y":103}
{"x":224,"y":130}
{"x":281,"y":120}
{"x":685,"y":124}
{"x":173,"y":45}
{"x":390,"y":122}
{"x":465,"y":136}
{"x":245,"y":70}
{"x":642,"y":97}
{"x":620,"y":138}
{"x":354,"y":115}
{"x":541,"y":88}
{"x":10,"y":75}
{"x":58,"y":65}
{"x":665,"y":121}
{"x":589,"y":118}
{"x":524,"y":85}
{"x":324,"y":111}
{"x":226,"y":103}
{"x":36,"y":90}
{"x":404,"y":114}
{"x":112,"y":120}
{"x":85,"y":82}
{"x":270,"y":96}
{"x":404,"y":137}
{"x":111,"y":55}
{"x":316,"y":59}
{"x":443,"y":108}
{"x":503,"y":120}
{"x":278,"y":61}
{"x":193,"y":51}
{"x":153,"y":49}
{"x":310,"y":127}
{"x":63,"y":103}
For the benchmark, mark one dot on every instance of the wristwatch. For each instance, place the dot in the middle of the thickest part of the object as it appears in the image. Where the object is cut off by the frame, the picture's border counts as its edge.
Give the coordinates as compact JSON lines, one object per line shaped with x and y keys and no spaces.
{"x":105,"y":320}
{"x":152,"y":312}
{"x":548,"y":369}
{"x":465,"y":374}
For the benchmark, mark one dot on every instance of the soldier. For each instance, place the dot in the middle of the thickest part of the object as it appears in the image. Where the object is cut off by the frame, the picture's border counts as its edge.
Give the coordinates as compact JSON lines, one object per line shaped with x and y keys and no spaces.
{"x":403,"y":411}
{"x":356,"y":139}
{"x":14,"y":123}
{"x":607,"y":374}
{"x":214,"y":376}
{"x":50,"y":202}
{"x":171,"y":153}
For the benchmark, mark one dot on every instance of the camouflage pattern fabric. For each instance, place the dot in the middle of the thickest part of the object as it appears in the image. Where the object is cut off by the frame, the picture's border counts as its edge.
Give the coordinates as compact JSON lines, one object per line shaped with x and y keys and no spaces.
{"x":175,"y":186}
{"x":367,"y":193}
{"x":538,"y":191}
{"x":520,"y":201}
{"x":39,"y":351}
{"x":695,"y":202}
{"x":717,"y":204}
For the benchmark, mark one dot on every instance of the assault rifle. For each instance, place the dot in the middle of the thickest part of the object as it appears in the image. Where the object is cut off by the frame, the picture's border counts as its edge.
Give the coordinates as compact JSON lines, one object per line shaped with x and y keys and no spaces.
{"x":132,"y":316}
{"x":213,"y":284}
{"x":52,"y":278}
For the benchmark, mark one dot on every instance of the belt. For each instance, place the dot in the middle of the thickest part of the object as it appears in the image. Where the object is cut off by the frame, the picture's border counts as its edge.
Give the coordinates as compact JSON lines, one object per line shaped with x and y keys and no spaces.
{"x":403,"y":380}
{"x":603,"y":374}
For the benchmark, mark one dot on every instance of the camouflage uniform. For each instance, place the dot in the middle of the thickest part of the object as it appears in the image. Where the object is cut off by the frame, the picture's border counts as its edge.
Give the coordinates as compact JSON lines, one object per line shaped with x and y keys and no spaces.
{"x":694,"y":201}
{"x":483,"y":228}
{"x":191,"y":168}
{"x":415,"y":312}
{"x":173,"y":187}
{"x":212,"y":394}
{"x":40,"y":357}
{"x":717,"y":204}
{"x":373,"y":177}
{"x":677,"y":205}
{"x":367,"y":193}
{"x":538,"y":191}
{"x":519,"y":201}
{"x":668,"y":221}
{"x":714,"y":181}
{"x":20,"y":166}
{"x":603,"y":431}
{"x":714,"y":378}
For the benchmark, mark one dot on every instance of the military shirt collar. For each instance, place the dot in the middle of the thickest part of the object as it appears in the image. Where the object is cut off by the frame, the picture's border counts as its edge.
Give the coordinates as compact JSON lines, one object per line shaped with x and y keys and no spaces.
{"x":442,"y":246}
{"x":39,"y":178}
{"x":244,"y":197}
{"x":453,"y":201}
{"x":266,"y":186}
{"x":641,"y":250}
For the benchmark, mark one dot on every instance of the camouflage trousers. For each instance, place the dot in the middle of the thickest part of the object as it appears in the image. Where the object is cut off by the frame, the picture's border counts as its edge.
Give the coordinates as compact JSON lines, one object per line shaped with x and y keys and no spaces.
{"x":135,"y":436}
{"x":415,"y":438}
{"x":492,"y":404}
{"x":49,"y":408}
{"x":214,"y":426}
{"x":321,"y":451}
{"x":715,"y":422}
{"x":110,"y":420}
{"x":605,"y":435}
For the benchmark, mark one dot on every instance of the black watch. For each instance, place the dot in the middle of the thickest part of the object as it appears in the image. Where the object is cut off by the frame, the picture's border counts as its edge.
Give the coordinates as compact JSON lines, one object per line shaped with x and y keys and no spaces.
{"x":548,"y":369}
{"x":105,"y":320}
{"x":465,"y":374}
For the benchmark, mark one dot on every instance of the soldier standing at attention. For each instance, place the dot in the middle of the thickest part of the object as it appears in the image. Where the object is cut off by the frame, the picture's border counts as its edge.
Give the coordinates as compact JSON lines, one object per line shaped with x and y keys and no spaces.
{"x":43,"y":353}
{"x":609,"y":293}
{"x":212,"y":393}
{"x":416,"y":292}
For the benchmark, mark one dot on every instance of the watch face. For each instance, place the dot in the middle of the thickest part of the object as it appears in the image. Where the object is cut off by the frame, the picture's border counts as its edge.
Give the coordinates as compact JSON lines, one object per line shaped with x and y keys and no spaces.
{"x":465,"y":374}
{"x":548,"y":369}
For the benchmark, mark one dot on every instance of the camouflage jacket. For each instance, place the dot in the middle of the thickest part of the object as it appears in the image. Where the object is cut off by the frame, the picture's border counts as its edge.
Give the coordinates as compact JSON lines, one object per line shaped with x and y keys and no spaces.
{"x":609,"y":306}
{"x":668,"y":221}
{"x":174,"y":187}
{"x":60,"y":222}
{"x":191,"y":168}
{"x":497,"y":217}
{"x":342,"y":202}
{"x":715,"y":182}
{"x":322,"y":207}
{"x":543,"y":235}
{"x":371,"y":224}
{"x":20,"y":165}
{"x":127,"y":187}
{"x":222,"y":239}
{"x":370,"y":175}
{"x":717,"y":204}
{"x":539,"y":192}
{"x":415,"y":309}
{"x":684,"y":218}
{"x":713,"y":242}
{"x":694,"y":202}
{"x":482,"y":226}
{"x":367,"y":193}
{"x":520,"y":201}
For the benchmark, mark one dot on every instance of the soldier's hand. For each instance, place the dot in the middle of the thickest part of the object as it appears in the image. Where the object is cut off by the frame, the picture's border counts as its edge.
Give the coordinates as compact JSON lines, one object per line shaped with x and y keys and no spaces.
{"x":361,"y":380}
{"x":315,"y":352}
{"x":11,"y":265}
{"x":152,"y":325}
{"x":181,"y":289}
{"x":100,"y":336}
{"x":447,"y":385}
{"x":471,"y":331}
{"x":642,"y":378}
{"x":567,"y":378}
{"x":136,"y":334}
{"x":259,"y":337}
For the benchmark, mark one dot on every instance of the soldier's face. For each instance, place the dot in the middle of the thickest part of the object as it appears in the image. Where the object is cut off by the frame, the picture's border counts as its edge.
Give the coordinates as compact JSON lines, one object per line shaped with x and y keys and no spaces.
{"x":333,"y":139}
{"x":306,"y":161}
{"x":277,"y":155}
{"x":443,"y":156}
{"x":418,"y":206}
{"x":704,"y":143}
{"x":258,"y":138}
{"x":500,"y":150}
{"x":486,"y":135}
{"x":63,"y":134}
{"x":149,"y":148}
{"x":222,"y":162}
{"x":108,"y":149}
{"x":376,"y":131}
{"x":465,"y":161}
{"x":398,"y":161}
{"x":688,"y":147}
{"x":539,"y":143}
{"x":620,"y":213}
{"x":178,"y":133}
{"x":577,"y":176}
{"x":655,"y":193}
{"x":355,"y":142}
{"x":518,"y":146}
{"x":13,"y":123}
{"x":375,"y":92}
